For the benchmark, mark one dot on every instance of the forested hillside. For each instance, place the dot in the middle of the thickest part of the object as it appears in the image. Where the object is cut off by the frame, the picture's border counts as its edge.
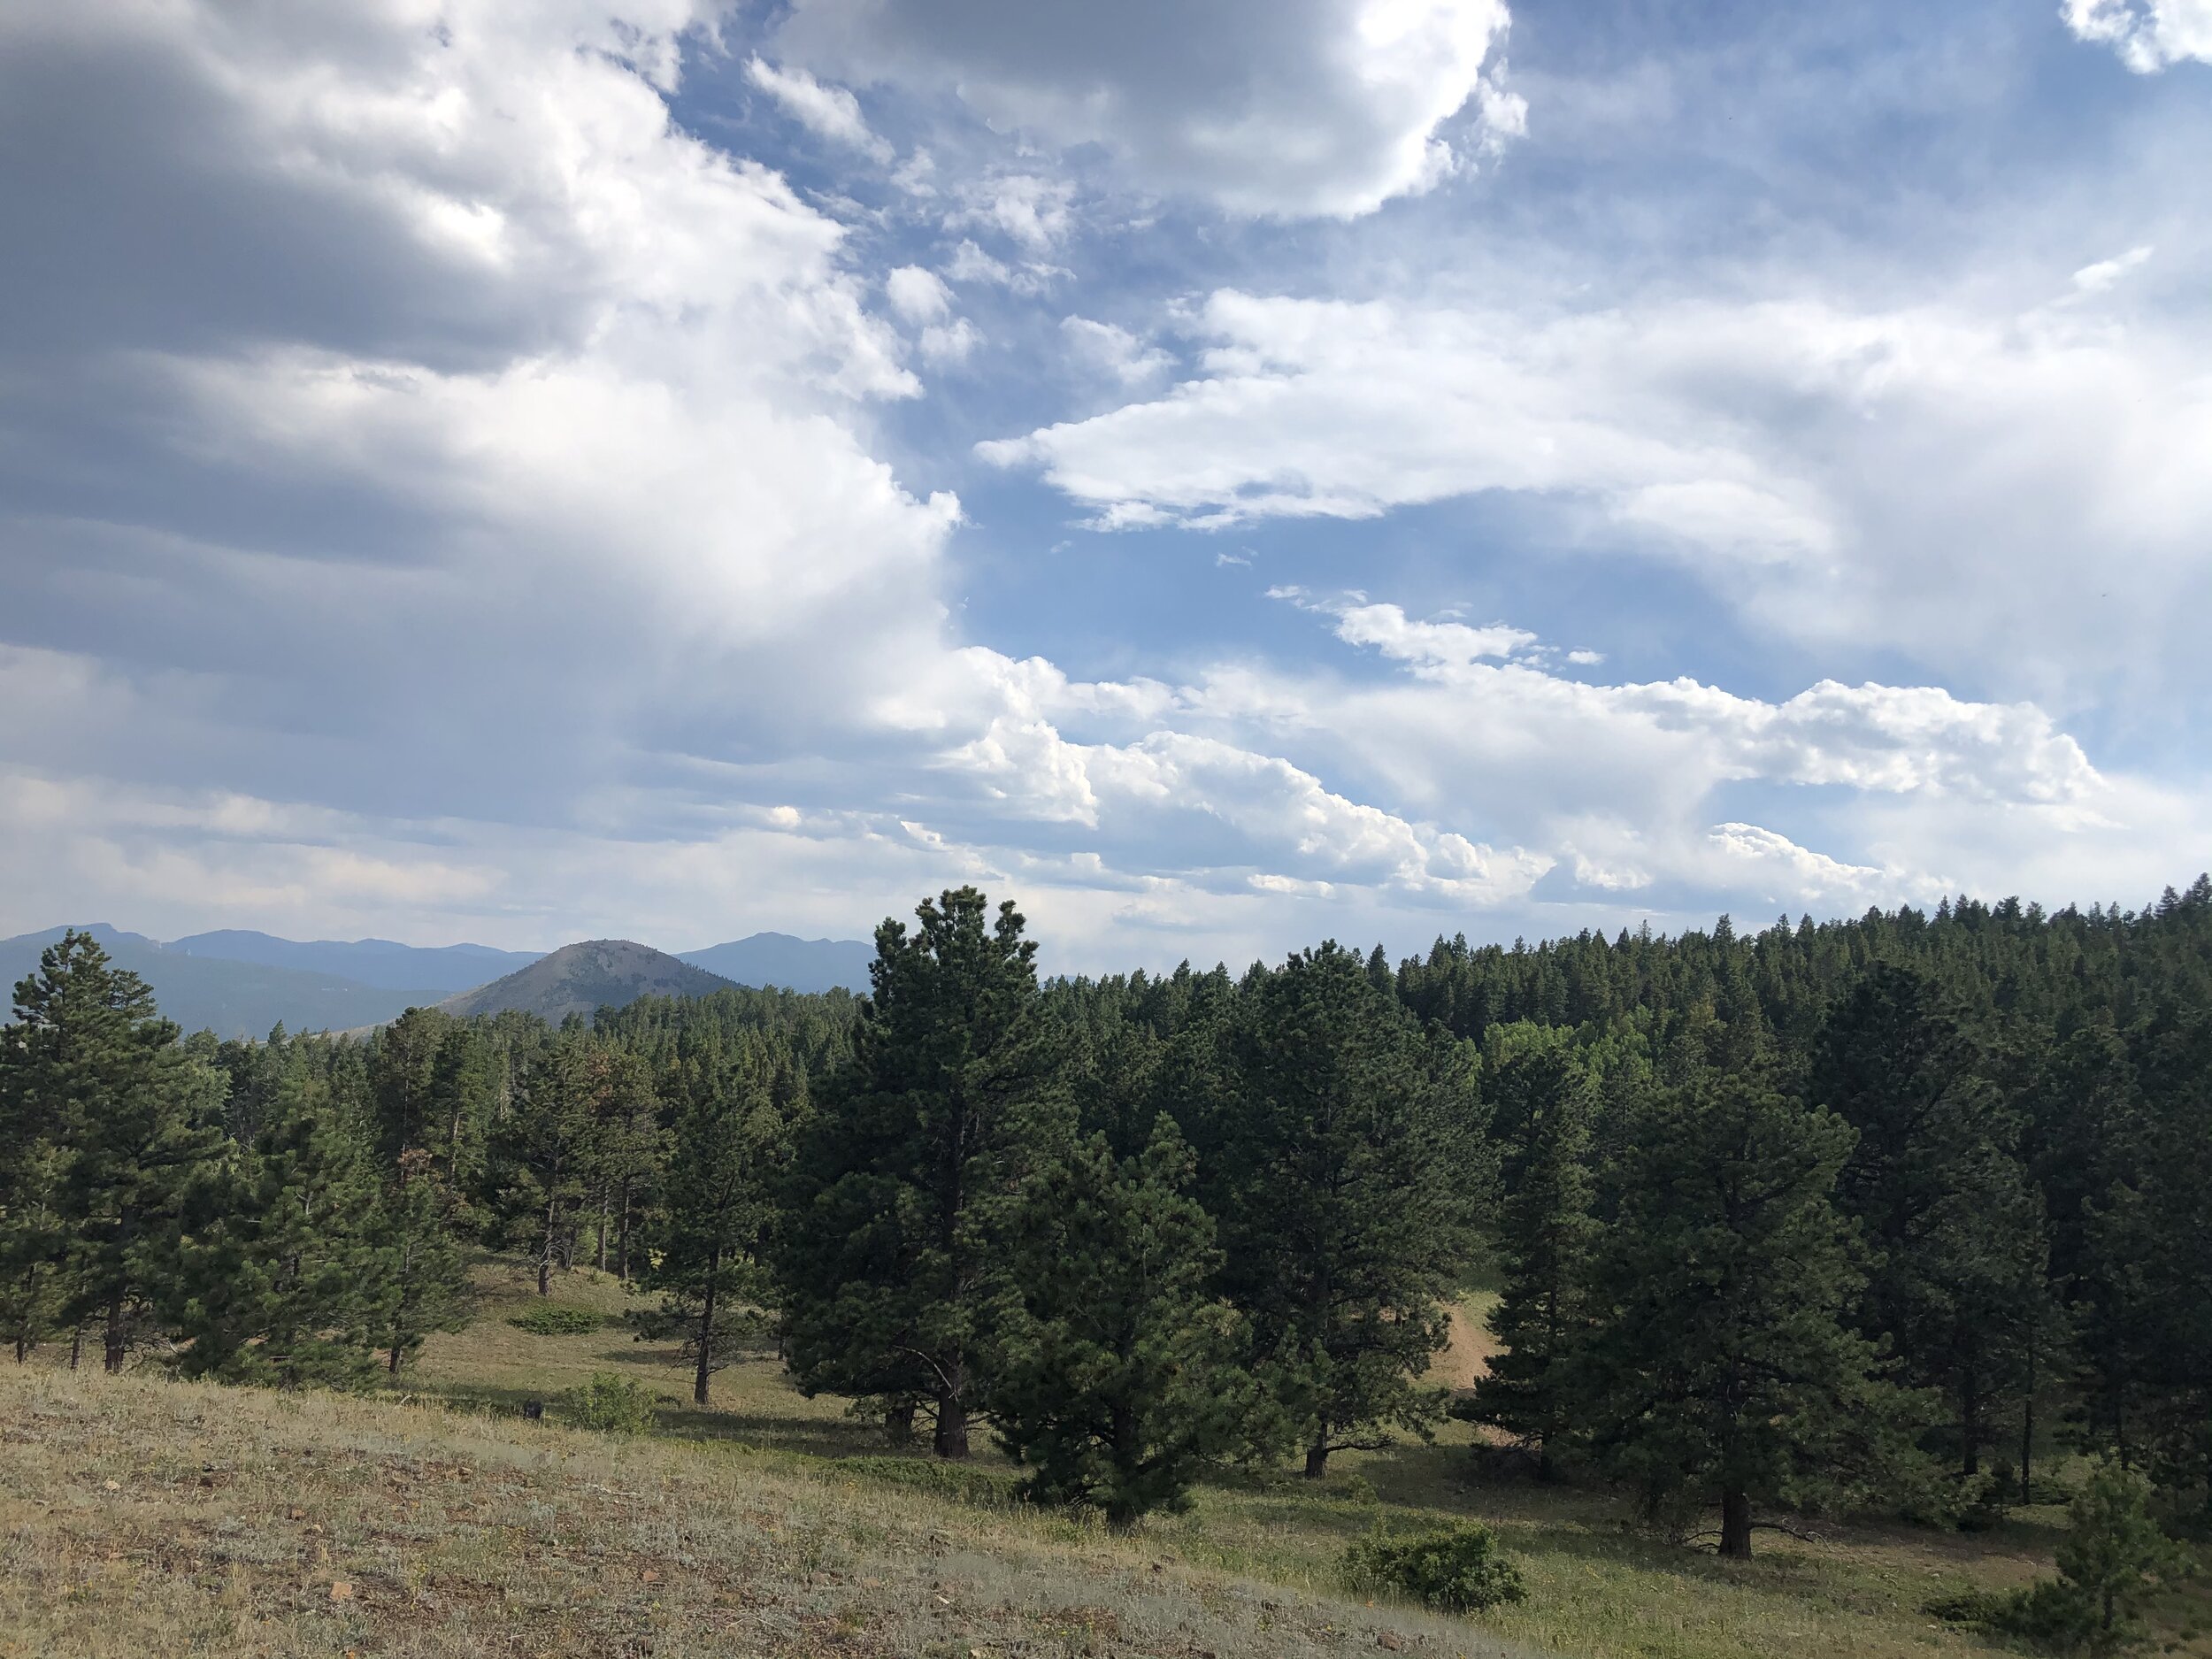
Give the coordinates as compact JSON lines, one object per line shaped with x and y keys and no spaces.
{"x":1890,"y":1215}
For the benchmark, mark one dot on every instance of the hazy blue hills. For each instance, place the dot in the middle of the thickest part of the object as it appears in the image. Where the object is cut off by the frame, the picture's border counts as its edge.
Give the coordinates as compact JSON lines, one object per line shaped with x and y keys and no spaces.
{"x":231,"y":998}
{"x":239,"y":983}
{"x":378,"y":962}
{"x":797,"y":965}
{"x":582,"y":978}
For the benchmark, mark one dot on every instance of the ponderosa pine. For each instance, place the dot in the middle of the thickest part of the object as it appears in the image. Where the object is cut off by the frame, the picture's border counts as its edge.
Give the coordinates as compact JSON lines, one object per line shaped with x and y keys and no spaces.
{"x":1112,"y":1373}
{"x":895,"y":1253}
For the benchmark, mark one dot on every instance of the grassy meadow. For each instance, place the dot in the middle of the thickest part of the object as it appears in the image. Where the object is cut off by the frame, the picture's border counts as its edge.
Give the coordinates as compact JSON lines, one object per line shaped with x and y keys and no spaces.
{"x":143,"y":1516}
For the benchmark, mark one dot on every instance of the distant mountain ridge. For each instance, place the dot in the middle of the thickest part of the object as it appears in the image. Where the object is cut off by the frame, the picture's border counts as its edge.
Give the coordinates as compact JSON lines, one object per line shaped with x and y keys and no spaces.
{"x":230,"y":998}
{"x":378,"y":962}
{"x":797,"y":965}
{"x":581,"y":978}
{"x":239,"y":983}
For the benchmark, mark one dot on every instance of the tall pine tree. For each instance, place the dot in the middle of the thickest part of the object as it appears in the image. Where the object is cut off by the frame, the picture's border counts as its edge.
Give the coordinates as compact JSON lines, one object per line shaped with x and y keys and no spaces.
{"x":895,"y":1248}
{"x":1721,"y":1370}
{"x":1113,"y":1370}
{"x":90,"y":1066}
{"x":1346,"y":1172}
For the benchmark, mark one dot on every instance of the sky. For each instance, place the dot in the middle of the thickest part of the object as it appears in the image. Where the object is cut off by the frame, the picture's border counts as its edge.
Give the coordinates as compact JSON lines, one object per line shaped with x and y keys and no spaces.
{"x":1223,"y":475}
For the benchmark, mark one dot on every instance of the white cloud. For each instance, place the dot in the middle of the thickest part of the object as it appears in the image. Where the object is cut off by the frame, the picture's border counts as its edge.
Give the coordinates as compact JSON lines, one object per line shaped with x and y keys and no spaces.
{"x":1114,"y":350}
{"x":831,"y":113}
{"x":917,"y":294}
{"x":1288,"y":109}
{"x":2022,"y":497}
{"x":970,"y":264}
{"x":2149,"y":35}
{"x":950,"y":343}
{"x":1024,"y":208}
{"x":2095,"y":279}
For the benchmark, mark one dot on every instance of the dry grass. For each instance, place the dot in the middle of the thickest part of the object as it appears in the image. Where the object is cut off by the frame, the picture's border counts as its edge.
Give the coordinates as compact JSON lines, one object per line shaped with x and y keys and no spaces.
{"x":463,"y":1530}
{"x":144,"y":1516}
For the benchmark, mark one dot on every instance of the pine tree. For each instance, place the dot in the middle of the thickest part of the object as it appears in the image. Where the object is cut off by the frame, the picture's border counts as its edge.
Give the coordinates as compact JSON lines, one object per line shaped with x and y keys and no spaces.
{"x":708,"y":1238}
{"x":1957,"y":1244}
{"x":1721,"y":1369}
{"x":419,"y":1230}
{"x":1112,"y":1373}
{"x":284,"y":1278}
{"x":1346,"y":1174}
{"x":540,"y":1164}
{"x":895,"y":1254}
{"x":90,"y":1066}
{"x":1547,"y":1236}
{"x":33,"y":1239}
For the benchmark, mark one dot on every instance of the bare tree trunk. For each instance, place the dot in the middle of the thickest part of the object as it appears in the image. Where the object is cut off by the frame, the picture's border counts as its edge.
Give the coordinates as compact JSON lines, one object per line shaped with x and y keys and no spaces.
{"x":951,"y":1438}
{"x":601,"y":1261}
{"x":112,"y":1360}
{"x":706,"y":1335}
{"x":76,"y":1346}
{"x":1735,"y":1526}
{"x":1317,"y":1456}
{"x":622,"y":1256}
{"x":545,"y":1255}
{"x":1970,"y":1424}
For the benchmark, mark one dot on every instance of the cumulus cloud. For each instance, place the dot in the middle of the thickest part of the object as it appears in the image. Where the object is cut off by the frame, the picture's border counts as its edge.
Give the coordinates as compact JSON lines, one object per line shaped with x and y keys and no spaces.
{"x":917,"y":294}
{"x":1114,"y":350}
{"x":531,"y":523}
{"x":2149,"y":35}
{"x":1946,"y":483}
{"x":830,"y":113}
{"x":1287,"y":109}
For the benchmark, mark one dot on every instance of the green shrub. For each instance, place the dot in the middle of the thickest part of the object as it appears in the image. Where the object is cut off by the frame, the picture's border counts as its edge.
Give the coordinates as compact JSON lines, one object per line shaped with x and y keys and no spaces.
{"x":614,"y":1405}
{"x":957,"y":1483}
{"x":547,"y":1320}
{"x":1458,"y":1570}
{"x":2113,"y":1556}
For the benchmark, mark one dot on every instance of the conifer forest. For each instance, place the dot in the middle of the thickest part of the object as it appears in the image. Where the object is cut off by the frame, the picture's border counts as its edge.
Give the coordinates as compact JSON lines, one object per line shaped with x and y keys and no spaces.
{"x":1892,"y":1215}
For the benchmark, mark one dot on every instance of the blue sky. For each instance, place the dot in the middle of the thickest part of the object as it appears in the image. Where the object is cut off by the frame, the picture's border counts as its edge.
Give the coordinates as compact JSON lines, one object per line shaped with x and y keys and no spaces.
{"x":518,"y":470}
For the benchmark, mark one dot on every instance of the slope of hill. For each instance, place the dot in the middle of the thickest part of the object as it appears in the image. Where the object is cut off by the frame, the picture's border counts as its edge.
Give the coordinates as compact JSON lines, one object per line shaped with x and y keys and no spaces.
{"x":580,"y":978}
{"x":232,"y":999}
{"x":378,"y":962}
{"x":797,"y":965}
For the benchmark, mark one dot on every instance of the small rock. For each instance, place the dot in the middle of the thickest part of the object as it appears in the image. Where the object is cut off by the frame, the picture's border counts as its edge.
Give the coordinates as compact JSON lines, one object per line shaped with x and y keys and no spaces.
{"x":1391,"y":1642}
{"x":652,"y":1575}
{"x":340,"y":1590}
{"x":111,"y":1486}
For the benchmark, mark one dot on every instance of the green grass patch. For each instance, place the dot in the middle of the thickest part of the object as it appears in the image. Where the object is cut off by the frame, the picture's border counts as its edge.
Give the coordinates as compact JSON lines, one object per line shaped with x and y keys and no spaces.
{"x":551,"y":1319}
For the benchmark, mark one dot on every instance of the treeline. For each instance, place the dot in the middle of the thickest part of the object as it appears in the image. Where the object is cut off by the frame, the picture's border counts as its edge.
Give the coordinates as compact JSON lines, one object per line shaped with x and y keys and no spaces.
{"x":1876,"y":1212}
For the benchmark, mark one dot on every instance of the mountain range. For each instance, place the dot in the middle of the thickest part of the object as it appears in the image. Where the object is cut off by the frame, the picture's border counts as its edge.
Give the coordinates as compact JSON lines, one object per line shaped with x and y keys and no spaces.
{"x":238,"y":983}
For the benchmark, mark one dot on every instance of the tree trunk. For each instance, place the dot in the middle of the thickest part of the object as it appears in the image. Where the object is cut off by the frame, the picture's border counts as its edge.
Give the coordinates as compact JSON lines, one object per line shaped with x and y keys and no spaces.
{"x":112,"y":1360}
{"x":601,"y":1261}
{"x":1735,"y":1526}
{"x":1970,"y":1425}
{"x":76,"y":1347}
{"x":622,"y":1255}
{"x":545,"y":1255}
{"x":951,"y":1438}
{"x":394,"y":1367}
{"x":1317,"y":1456}
{"x":2027,"y":1424}
{"x":706,"y":1336}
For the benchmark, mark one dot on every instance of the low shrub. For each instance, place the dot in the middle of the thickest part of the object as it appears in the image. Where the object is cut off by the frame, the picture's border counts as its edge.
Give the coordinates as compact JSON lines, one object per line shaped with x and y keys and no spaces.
{"x":613,"y":1405}
{"x":547,"y":1320}
{"x":1460,"y":1569}
{"x":978,"y":1488}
